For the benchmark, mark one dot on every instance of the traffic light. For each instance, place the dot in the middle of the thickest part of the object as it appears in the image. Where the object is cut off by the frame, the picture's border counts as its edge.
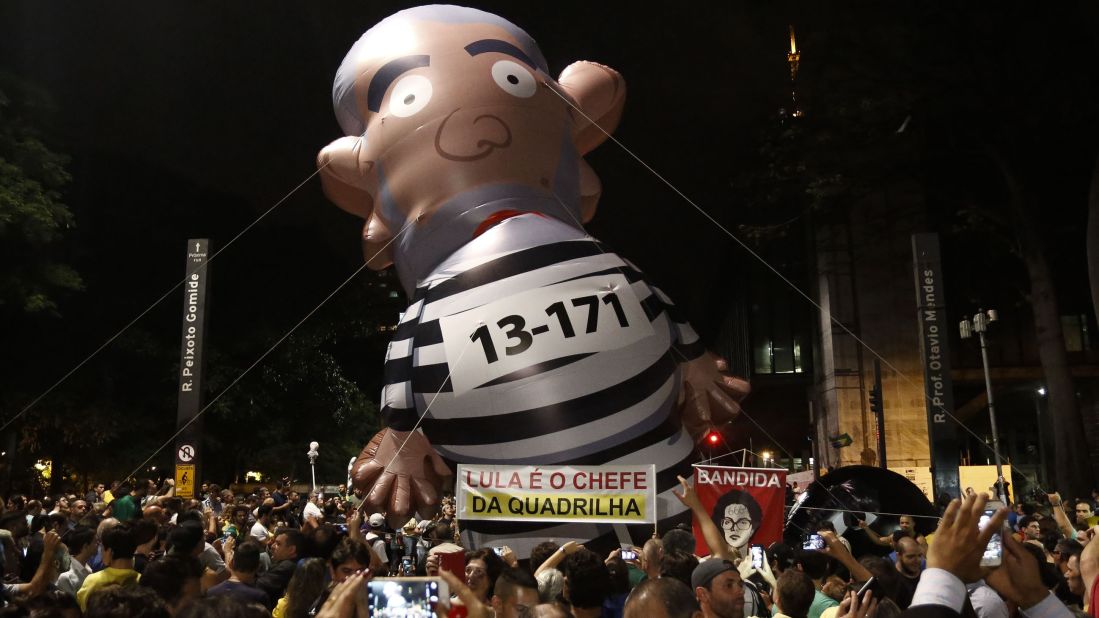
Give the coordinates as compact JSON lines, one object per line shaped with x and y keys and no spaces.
{"x":875,"y":400}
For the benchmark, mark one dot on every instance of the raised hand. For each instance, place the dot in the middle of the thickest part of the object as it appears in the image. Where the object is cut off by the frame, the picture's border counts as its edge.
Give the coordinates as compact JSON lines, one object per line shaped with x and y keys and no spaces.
{"x":50,"y":542}
{"x":348,"y":599}
{"x":571,"y":547}
{"x":431,"y":566}
{"x":400,"y":472}
{"x":1017,"y":579}
{"x":959,"y":543}
{"x":833,"y":546}
{"x":354,"y":523}
{"x":689,"y":497}
{"x":853,"y":607}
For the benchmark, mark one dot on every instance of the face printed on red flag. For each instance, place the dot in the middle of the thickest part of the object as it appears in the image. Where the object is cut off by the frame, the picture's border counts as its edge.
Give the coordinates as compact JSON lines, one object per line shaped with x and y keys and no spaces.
{"x":746,"y":504}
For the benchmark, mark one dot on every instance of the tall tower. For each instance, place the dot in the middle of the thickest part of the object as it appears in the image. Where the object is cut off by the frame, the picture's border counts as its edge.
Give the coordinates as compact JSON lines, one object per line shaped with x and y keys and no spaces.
{"x":793,"y":58}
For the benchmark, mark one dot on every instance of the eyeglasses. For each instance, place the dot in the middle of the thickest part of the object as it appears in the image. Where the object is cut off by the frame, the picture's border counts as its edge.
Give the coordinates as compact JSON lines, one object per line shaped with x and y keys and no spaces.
{"x":740,"y":524}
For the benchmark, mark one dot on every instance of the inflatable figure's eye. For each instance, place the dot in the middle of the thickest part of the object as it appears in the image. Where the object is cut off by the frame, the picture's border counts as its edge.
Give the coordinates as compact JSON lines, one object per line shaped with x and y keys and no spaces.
{"x":514,"y":79}
{"x":410,"y":94}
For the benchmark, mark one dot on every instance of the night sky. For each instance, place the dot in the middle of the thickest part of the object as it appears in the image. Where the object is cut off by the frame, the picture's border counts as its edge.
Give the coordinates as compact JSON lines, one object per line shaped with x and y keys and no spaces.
{"x":190,"y":119}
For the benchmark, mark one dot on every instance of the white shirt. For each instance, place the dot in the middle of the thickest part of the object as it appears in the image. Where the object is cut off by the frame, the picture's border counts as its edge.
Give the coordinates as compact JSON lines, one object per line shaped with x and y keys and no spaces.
{"x":312,"y":511}
{"x":259,"y":532}
{"x":377,"y":543}
{"x":985,"y":601}
{"x":70,"y":581}
{"x":939,"y":587}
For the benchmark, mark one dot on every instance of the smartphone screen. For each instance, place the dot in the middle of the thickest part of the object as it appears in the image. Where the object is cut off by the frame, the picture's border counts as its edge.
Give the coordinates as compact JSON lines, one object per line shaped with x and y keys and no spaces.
{"x":406,"y":566}
{"x":813,"y":542}
{"x":757,"y":556}
{"x":994,"y":551}
{"x":499,"y":551}
{"x":406,"y":597}
{"x":629,"y":554}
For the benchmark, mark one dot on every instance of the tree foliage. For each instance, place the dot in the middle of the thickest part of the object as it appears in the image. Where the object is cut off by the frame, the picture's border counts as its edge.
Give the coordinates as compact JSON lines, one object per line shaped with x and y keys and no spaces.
{"x":33,"y":217}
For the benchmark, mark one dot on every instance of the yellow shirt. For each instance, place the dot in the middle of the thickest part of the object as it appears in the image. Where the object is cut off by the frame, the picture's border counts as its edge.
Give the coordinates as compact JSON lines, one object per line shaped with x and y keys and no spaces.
{"x":108,"y":497}
{"x":280,"y":609}
{"x":107,"y":577}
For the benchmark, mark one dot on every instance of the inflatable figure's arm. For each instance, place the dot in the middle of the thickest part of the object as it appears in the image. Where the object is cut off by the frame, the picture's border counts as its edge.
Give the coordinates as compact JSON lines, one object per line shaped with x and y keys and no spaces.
{"x":710,"y":394}
{"x":401,"y":473}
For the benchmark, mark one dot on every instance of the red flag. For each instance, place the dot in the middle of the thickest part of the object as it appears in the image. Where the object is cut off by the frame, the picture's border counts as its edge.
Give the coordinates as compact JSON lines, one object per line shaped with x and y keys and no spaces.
{"x":746,"y":504}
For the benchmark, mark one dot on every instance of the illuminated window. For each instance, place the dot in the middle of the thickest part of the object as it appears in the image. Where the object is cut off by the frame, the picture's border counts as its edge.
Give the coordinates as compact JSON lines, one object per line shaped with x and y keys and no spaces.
{"x":778,"y":334}
{"x":778,"y":319}
{"x":1075,"y":330}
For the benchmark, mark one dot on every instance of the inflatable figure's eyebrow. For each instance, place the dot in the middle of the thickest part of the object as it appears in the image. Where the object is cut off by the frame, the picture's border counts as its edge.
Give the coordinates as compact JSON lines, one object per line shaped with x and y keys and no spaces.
{"x":495,"y":45}
{"x":385,"y":76}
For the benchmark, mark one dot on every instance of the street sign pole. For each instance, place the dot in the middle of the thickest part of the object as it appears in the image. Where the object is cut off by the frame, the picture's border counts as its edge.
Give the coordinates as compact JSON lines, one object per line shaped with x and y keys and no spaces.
{"x":942,"y":433}
{"x":188,"y":445}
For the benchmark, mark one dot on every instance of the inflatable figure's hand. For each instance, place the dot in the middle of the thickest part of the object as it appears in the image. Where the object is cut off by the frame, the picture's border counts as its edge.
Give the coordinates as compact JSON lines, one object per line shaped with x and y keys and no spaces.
{"x":711,"y":395}
{"x":399,"y":480}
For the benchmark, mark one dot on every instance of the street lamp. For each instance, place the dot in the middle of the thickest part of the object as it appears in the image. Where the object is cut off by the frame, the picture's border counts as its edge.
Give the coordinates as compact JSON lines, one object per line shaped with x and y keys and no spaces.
{"x":1041,"y":392}
{"x":312,"y":454}
{"x":979,"y":325}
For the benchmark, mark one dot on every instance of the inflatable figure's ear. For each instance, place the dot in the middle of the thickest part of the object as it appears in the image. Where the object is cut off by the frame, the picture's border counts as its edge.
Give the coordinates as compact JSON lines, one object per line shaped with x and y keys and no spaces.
{"x":347,"y":175}
{"x":601,"y":93}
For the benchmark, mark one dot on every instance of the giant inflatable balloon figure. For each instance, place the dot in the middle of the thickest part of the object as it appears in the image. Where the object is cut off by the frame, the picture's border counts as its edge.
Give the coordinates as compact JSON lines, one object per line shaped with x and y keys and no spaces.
{"x":527,"y":341}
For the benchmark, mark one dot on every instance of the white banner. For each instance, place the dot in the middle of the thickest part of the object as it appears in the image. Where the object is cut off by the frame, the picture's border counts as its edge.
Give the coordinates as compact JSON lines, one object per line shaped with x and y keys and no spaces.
{"x":589,"y":494}
{"x":586,"y":315}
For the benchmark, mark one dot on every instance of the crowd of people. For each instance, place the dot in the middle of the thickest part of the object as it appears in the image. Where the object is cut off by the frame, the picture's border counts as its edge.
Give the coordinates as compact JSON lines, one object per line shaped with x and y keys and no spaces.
{"x":139,"y":550}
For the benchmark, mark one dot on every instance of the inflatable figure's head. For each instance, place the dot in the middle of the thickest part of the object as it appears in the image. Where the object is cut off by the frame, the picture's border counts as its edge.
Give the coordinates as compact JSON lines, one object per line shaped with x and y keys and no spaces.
{"x":449,"y":110}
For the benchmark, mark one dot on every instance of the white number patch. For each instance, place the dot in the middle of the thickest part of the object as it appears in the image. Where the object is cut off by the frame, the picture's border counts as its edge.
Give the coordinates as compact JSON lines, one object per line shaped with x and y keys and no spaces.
{"x":586,"y":315}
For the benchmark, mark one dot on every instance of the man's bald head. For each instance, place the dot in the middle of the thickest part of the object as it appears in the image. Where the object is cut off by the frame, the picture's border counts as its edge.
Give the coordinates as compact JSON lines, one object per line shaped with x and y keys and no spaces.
{"x":664,"y":597}
{"x":907,"y":543}
{"x":909,"y":556}
{"x":549,"y":610}
{"x":652,"y":555}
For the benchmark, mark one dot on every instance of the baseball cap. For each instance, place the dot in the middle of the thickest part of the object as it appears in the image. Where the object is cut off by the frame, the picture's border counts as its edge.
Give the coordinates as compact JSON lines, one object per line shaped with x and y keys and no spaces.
{"x":377,"y":520}
{"x":706,"y":571}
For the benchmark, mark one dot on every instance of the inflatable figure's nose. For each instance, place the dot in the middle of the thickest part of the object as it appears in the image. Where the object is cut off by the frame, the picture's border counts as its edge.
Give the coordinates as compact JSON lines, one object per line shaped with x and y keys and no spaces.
{"x":464,"y":136}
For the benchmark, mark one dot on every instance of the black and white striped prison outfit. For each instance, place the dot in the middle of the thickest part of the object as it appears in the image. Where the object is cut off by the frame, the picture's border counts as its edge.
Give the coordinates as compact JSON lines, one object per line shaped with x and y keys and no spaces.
{"x":617,"y":405}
